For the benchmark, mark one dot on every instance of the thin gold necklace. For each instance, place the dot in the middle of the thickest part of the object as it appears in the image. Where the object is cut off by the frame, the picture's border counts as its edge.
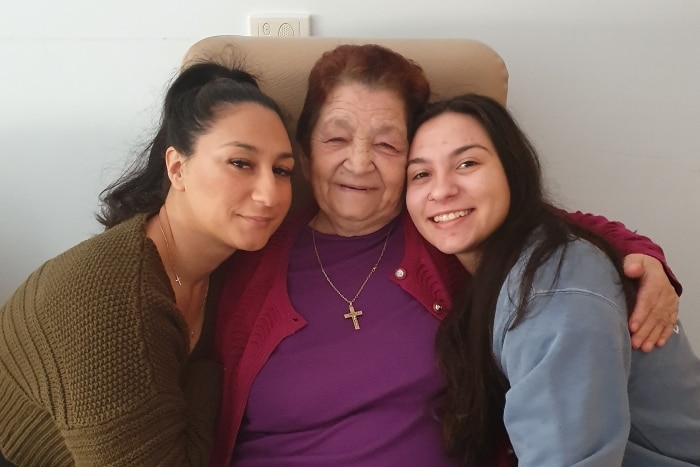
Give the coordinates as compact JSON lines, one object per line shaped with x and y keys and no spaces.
{"x":352,"y":314}
{"x":172,"y":266}
{"x":167,"y":247}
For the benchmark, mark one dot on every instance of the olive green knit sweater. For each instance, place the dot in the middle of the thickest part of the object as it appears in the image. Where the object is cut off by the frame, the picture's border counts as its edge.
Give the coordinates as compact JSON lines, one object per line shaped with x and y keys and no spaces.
{"x":94,"y":366}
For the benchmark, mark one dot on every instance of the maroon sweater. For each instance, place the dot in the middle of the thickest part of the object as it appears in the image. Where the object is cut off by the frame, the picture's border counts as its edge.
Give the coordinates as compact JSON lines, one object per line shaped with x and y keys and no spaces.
{"x":255,"y":313}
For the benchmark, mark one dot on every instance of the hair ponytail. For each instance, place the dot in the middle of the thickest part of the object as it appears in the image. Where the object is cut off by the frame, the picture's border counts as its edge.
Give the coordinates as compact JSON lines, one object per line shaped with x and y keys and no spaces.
{"x":190,"y":108}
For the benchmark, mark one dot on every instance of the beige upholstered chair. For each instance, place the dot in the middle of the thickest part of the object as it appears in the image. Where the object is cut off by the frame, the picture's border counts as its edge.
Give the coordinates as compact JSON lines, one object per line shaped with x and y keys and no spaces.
{"x":453,"y":66}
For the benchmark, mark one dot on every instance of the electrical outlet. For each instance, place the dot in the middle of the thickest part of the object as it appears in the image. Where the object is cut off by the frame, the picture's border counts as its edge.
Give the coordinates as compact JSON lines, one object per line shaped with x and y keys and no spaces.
{"x":279,"y":26}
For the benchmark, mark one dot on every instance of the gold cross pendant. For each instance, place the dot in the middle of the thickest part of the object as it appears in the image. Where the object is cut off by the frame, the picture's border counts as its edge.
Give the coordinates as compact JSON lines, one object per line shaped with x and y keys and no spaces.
{"x":353,"y":315}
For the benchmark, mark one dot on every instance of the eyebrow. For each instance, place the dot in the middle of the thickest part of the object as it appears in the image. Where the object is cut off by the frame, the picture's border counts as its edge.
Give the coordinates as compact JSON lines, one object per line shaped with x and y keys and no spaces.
{"x":346,"y":124}
{"x":454,"y":153}
{"x":255,"y":150}
{"x":339,"y":121}
{"x":239,"y":144}
{"x":285,"y":155}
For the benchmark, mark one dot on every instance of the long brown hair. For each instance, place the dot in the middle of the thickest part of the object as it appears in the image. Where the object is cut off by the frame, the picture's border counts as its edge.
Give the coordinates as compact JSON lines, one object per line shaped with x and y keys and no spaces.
{"x":472,"y":408}
{"x":192,"y":103}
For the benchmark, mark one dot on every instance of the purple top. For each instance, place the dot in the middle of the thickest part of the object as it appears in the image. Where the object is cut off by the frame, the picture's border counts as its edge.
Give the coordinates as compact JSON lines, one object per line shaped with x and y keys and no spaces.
{"x":332,"y":395}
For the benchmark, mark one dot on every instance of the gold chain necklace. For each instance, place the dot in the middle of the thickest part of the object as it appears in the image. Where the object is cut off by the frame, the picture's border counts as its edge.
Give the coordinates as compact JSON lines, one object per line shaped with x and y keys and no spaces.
{"x":170,"y":254}
{"x":352,"y":314}
{"x":172,"y":266}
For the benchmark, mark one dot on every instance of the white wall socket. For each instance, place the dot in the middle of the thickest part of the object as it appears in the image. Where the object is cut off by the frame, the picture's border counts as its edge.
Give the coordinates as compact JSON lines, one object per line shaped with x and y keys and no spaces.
{"x":279,"y":26}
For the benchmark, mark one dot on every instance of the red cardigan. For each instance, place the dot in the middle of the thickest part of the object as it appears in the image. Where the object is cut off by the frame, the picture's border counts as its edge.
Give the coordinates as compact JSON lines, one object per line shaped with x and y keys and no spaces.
{"x":255,"y":313}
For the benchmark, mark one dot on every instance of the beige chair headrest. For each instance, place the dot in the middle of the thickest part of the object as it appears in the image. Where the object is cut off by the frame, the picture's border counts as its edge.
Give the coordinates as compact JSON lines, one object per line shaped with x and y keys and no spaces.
{"x":282,"y":65}
{"x":453,"y":66}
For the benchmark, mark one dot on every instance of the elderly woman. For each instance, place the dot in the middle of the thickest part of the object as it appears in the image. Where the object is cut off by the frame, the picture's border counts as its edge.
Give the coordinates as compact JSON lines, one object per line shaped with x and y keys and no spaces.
{"x":327,"y":337}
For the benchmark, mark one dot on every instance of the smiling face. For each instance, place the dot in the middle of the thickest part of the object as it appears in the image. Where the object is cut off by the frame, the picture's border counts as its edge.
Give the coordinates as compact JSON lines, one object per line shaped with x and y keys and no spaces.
{"x":457,"y":193}
{"x":235,"y":188}
{"x":357,"y":164}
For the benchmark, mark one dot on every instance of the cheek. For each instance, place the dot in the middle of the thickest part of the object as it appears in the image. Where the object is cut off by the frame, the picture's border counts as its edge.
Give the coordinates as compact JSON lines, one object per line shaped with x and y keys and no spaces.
{"x":506,"y":206}
{"x":415,"y":202}
{"x":211,"y":185}
{"x":321,"y":166}
{"x":313,"y":173}
{"x":286,"y":196}
{"x":503,"y":197}
{"x":330,"y":154}
{"x":394,"y":175}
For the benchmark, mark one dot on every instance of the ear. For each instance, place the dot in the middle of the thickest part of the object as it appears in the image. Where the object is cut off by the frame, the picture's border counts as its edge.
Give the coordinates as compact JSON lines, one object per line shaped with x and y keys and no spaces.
{"x":174,"y":162}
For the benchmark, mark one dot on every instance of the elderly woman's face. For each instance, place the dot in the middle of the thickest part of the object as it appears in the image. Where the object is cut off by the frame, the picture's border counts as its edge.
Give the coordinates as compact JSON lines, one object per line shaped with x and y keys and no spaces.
{"x":358,"y":159}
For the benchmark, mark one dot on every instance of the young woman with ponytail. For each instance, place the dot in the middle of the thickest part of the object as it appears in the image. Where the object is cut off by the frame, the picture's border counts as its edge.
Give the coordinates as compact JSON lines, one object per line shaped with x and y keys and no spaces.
{"x":105,"y":349}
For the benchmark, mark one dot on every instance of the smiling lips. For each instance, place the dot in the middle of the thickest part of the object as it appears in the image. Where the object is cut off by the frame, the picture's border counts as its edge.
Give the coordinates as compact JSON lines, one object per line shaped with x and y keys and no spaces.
{"x":354,"y":187}
{"x":258,"y":220}
{"x":450,"y":216}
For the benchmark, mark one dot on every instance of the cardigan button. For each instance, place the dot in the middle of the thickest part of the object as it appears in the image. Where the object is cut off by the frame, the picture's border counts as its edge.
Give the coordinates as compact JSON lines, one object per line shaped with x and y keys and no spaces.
{"x":400,"y":273}
{"x":437,"y":307}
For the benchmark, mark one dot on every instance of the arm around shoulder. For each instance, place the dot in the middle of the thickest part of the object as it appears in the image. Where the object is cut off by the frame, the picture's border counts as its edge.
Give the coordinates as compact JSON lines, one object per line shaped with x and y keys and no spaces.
{"x":622,"y":239}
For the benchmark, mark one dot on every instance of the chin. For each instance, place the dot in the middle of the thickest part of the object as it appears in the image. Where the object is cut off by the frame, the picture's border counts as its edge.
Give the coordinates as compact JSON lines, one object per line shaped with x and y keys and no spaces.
{"x":257,"y":246}
{"x":252,"y":245}
{"x":354,"y":214}
{"x":449,"y":247}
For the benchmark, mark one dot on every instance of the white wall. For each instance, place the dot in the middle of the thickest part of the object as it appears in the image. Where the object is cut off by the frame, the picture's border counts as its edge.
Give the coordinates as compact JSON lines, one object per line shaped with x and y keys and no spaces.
{"x":607,"y":90}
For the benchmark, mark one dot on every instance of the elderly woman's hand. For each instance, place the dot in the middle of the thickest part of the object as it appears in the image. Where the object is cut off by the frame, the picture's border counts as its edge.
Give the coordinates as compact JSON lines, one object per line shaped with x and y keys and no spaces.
{"x":654,"y":316}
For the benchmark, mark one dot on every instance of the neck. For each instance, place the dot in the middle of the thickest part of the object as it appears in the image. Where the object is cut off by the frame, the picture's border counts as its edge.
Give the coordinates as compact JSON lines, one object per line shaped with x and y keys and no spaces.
{"x":469,"y":260}
{"x":188,"y":254}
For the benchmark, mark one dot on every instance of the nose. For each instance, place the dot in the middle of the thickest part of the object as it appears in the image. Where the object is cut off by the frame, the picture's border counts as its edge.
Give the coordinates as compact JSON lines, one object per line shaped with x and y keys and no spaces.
{"x":360,"y":158}
{"x":266,"y":190}
{"x":442,"y":188}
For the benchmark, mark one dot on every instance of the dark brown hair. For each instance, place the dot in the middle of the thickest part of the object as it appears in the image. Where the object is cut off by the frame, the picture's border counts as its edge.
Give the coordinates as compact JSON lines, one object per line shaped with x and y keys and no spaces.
{"x":472,"y":408}
{"x":192,"y":104}
{"x":372,"y":65}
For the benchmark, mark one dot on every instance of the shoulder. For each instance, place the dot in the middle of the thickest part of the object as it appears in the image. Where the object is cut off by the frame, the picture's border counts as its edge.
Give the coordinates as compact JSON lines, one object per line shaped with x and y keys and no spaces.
{"x":110,"y":253}
{"x":120,"y":264}
{"x":577,"y":267}
{"x":576,"y":290}
{"x":93,"y":307}
{"x":112,"y":272}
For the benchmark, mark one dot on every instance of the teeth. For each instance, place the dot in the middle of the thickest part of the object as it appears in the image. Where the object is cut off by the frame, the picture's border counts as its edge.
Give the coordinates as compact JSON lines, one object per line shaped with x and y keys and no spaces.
{"x":451,"y":216}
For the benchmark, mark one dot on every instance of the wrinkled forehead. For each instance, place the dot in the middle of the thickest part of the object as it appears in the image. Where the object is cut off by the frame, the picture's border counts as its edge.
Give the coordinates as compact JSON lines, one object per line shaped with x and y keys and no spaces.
{"x":357,"y":104}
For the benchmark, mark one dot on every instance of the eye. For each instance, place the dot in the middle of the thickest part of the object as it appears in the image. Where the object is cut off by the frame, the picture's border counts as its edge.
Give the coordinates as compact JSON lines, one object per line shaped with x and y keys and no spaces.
{"x":240,"y":163}
{"x":336,"y":139}
{"x":283,"y":171}
{"x":386,"y":145}
{"x":419,"y":175}
{"x":466,"y":164}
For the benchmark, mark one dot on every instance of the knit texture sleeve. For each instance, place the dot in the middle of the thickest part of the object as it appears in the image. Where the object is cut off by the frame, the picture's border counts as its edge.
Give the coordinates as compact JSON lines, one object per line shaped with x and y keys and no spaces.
{"x":121,"y":390}
{"x":131,"y":396}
